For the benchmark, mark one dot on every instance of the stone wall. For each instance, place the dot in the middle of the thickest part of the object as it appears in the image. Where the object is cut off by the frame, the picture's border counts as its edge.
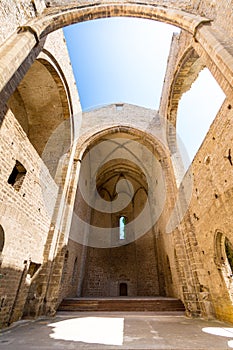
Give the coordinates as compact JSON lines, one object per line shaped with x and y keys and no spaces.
{"x":27,"y":207}
{"x":15,"y":13}
{"x":139,"y":263}
{"x":211,"y":212}
{"x":191,"y":262}
{"x":25,"y":215}
{"x":210,"y":207}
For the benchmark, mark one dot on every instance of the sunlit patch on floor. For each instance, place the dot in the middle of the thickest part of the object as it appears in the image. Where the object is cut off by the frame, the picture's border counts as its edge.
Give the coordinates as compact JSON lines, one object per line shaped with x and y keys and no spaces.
{"x":222,"y":332}
{"x":99,"y":330}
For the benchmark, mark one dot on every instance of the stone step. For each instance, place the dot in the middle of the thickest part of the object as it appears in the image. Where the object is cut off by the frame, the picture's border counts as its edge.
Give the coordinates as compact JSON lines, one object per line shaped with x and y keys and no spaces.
{"x":122,"y":304}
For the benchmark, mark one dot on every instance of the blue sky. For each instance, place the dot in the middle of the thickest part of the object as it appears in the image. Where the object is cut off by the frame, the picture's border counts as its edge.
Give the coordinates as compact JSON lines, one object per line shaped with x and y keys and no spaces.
{"x":124,"y":60}
{"x":197,"y":109}
{"x":115,"y":60}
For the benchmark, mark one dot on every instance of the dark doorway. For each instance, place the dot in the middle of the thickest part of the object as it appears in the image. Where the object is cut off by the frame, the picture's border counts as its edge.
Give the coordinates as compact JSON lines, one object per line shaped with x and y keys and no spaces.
{"x":123,"y":289}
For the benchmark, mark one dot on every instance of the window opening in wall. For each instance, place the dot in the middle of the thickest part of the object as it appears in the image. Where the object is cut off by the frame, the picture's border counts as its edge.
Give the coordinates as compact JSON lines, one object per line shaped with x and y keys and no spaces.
{"x":2,"y":238}
{"x":224,"y":260}
{"x":192,"y":130}
{"x":17,"y":175}
{"x":122,"y":223}
{"x":33,"y":268}
{"x":123,"y":289}
{"x":229,"y":253}
{"x":119,"y":107}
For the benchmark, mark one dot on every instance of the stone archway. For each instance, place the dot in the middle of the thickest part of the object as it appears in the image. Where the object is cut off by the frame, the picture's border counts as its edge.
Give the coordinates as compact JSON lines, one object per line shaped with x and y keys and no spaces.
{"x":209,"y":44}
{"x":61,"y":15}
{"x":41,"y":106}
{"x":95,"y":229}
{"x":186,"y":72}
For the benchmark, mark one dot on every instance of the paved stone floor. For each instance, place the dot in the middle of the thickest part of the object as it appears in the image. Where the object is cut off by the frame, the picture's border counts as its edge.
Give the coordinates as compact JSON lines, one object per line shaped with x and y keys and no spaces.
{"x":117,"y":331}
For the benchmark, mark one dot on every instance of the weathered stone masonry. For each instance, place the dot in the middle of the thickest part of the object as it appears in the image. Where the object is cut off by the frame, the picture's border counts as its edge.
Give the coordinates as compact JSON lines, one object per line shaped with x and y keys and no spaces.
{"x":40,"y":261}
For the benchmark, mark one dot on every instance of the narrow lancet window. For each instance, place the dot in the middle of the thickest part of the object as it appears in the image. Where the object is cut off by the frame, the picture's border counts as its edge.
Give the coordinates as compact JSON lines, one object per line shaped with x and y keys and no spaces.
{"x":122,"y":222}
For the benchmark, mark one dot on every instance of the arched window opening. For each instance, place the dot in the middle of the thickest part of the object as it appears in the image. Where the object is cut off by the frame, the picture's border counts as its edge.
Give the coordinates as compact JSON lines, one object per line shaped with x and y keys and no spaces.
{"x":224,"y":260}
{"x":194,"y":123}
{"x":122,"y":223}
{"x":2,"y":239}
{"x":123,"y":289}
{"x":17,"y":176}
{"x":229,"y":253}
{"x":2,"y":242}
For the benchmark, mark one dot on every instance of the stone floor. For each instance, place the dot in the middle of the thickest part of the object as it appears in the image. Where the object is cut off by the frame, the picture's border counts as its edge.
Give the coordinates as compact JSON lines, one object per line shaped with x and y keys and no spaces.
{"x":117,"y":330}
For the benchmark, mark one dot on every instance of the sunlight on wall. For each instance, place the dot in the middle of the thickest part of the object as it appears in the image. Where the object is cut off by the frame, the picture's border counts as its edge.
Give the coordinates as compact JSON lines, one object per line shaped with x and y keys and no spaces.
{"x":197,"y":110}
{"x":99,"y":330}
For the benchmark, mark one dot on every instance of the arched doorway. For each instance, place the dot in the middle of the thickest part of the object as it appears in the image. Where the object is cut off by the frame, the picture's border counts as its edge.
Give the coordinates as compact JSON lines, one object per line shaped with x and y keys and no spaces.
{"x":119,"y":162}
